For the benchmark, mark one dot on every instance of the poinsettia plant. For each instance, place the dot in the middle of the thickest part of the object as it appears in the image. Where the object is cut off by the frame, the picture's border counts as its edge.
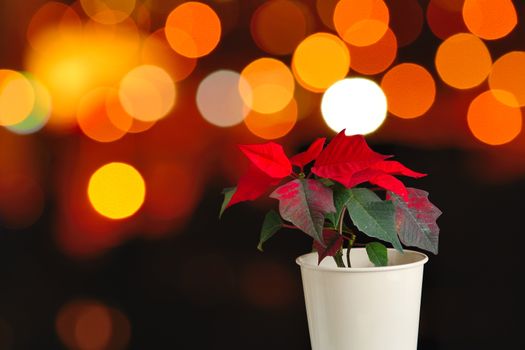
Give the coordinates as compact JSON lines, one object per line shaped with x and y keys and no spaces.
{"x":349,"y":191}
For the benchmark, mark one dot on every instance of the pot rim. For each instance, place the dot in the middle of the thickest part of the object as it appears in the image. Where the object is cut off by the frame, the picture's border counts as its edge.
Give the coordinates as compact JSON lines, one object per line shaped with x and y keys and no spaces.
{"x":421,"y":260}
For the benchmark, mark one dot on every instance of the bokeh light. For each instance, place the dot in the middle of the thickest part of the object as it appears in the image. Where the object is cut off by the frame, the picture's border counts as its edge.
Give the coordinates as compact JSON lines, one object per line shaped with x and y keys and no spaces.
{"x":125,"y":36}
{"x":463,"y":61}
{"x":88,"y":325}
{"x":108,"y":11}
{"x":375,"y":58}
{"x":82,"y":232}
{"x":94,"y":120}
{"x":67,"y":76}
{"x":278,"y":26}
{"x":74,"y":64}
{"x":157,"y":51}
{"x":17,"y":97}
{"x":361,"y":22}
{"x":147,"y":93}
{"x":406,"y":20}
{"x":93,"y":327}
{"x":116,"y":190}
{"x":193,"y":29}
{"x":320,"y":60}
{"x":53,"y":19}
{"x":115,"y":113}
{"x":355,"y":104}
{"x":410,"y":90}
{"x":508,"y":74}
{"x":493,"y":122}
{"x":138,"y":126}
{"x":490,"y":19}
{"x":325,"y":10}
{"x":39,"y":116}
{"x":444,"y":18}
{"x":219,"y":100}
{"x":267,"y":85}
{"x":275,"y":125}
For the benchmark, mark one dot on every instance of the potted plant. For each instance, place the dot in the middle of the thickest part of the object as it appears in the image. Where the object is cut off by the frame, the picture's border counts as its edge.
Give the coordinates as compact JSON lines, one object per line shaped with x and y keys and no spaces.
{"x":367,"y":297}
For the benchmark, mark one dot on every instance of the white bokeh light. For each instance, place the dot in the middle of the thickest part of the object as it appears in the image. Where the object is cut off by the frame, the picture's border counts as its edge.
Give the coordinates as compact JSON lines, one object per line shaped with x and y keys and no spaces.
{"x":355,"y":104}
{"x":219,"y":100}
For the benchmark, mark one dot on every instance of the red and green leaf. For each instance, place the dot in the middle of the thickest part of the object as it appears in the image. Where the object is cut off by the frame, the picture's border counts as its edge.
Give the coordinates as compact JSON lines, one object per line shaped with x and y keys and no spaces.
{"x":345,"y":156}
{"x":268,"y":158}
{"x":416,"y":220}
{"x":333,"y":241}
{"x":303,"y":158}
{"x":305,"y":203}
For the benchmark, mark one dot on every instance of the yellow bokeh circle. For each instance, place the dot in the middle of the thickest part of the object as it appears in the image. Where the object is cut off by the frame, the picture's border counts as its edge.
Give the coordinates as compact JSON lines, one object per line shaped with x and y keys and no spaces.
{"x":116,"y":190}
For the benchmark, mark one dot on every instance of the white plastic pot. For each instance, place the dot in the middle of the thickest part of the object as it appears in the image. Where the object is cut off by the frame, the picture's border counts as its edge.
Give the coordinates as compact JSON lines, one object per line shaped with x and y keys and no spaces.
{"x":363,"y":307}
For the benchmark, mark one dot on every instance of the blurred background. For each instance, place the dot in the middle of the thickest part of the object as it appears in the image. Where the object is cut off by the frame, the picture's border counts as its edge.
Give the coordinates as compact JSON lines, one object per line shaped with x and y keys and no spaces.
{"x":119,"y":121}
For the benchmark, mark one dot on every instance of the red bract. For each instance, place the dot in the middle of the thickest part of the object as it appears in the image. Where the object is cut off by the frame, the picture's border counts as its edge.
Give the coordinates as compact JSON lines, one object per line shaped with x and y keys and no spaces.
{"x":269,"y":165}
{"x":303,"y":158}
{"x":252,"y":185}
{"x":395,"y":168}
{"x":269,"y":158}
{"x":345,"y":156}
{"x":380,"y":174}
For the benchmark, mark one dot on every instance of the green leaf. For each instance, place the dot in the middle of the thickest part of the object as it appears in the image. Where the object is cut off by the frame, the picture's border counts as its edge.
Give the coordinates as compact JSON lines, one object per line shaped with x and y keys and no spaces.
{"x":373,"y":216}
{"x":305,"y":203}
{"x":377,"y":254}
{"x":341,"y":197}
{"x":228,"y":194}
{"x":272,"y":223}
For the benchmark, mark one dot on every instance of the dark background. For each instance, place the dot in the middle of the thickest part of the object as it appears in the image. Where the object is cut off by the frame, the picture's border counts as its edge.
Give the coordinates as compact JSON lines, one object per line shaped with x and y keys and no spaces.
{"x":196,"y":290}
{"x":206,"y":286}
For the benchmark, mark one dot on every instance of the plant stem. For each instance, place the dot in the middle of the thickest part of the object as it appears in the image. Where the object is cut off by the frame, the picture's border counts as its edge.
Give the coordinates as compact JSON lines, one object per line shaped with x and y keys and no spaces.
{"x":351,"y":239}
{"x":351,"y":242}
{"x":340,"y":222}
{"x":338,"y":258}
